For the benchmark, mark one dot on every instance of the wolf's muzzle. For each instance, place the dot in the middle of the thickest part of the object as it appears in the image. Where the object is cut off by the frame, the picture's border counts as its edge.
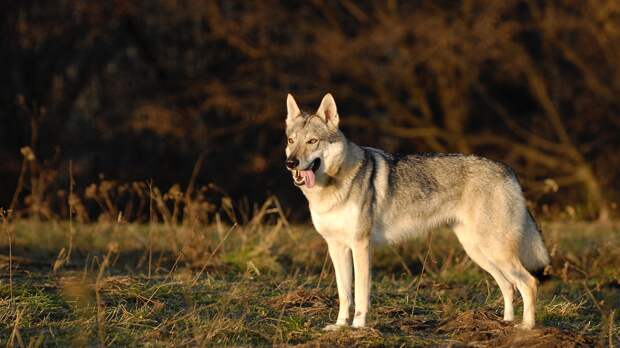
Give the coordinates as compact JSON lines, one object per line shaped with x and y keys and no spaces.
{"x":292,"y":163}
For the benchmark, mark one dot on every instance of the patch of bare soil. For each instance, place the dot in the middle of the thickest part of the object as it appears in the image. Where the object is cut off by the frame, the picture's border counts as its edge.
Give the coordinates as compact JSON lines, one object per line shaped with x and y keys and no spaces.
{"x":483,"y":329}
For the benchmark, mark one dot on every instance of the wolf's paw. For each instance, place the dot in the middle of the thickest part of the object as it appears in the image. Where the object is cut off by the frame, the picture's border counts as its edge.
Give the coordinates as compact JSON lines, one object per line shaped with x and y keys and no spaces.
{"x":359,"y":321}
{"x":359,"y":325}
{"x":334,"y":327}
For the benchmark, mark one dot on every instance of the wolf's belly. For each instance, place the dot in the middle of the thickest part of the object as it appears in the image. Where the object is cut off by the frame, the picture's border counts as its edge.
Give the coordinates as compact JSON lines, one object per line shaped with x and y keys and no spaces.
{"x":386,"y":222}
{"x":393,"y":226}
{"x":398,"y":230}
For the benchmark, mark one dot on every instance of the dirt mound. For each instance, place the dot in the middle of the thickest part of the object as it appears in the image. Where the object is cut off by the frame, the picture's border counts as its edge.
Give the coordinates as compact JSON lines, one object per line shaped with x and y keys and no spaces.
{"x":485,"y":329}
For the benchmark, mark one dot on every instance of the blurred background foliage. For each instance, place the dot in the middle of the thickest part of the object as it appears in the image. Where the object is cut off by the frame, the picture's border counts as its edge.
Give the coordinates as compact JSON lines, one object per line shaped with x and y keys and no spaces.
{"x":152,"y":91}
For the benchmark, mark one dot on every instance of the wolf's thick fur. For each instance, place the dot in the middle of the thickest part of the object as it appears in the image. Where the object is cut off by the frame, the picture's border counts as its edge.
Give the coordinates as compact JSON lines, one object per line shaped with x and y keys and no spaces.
{"x":360,"y":196}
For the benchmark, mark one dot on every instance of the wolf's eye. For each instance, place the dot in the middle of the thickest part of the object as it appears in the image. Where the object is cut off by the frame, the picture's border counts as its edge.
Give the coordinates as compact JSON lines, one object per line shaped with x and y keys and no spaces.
{"x":290,"y":140}
{"x":313,"y":141}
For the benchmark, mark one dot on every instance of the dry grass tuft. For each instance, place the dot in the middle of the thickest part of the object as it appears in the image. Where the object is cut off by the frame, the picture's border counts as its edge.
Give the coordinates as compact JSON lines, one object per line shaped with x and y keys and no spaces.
{"x":312,"y":299}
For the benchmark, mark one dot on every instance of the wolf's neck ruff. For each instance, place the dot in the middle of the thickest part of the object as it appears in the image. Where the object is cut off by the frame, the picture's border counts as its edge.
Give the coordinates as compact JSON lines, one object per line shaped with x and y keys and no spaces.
{"x":350,"y":162}
{"x":336,"y":182}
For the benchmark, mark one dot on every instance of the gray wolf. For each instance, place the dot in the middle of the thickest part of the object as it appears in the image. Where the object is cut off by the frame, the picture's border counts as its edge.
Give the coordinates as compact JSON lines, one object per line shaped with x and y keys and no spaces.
{"x":361,"y":196}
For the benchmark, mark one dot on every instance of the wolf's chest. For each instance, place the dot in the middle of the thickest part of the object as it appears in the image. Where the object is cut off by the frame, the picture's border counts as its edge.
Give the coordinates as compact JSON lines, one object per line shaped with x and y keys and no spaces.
{"x":340,"y":222}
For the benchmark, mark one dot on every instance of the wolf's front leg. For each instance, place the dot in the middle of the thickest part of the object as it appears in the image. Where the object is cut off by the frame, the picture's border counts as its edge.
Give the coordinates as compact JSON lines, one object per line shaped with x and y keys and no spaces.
{"x":361,"y":263}
{"x":341,"y":258}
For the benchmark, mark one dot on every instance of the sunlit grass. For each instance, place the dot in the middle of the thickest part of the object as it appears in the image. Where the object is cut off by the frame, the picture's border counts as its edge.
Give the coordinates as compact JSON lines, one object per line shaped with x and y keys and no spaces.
{"x":264,"y":284}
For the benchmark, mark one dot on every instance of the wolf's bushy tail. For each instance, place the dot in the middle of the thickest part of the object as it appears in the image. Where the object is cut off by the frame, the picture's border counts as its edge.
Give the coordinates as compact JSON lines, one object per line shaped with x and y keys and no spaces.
{"x":536,"y":258}
{"x":533,"y":253}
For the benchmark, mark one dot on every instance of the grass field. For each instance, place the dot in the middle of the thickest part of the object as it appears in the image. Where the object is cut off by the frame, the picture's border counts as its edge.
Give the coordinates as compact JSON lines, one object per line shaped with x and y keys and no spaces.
{"x":117,"y":284}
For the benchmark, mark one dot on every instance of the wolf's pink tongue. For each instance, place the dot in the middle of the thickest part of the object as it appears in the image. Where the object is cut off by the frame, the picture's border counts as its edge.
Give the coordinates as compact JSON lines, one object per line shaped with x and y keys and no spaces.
{"x":308,"y":176}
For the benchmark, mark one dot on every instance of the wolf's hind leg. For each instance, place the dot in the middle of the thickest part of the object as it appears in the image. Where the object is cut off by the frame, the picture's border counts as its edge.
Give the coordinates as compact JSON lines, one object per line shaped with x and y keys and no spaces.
{"x":506,"y":259}
{"x":526,"y":284}
{"x":485,"y":262}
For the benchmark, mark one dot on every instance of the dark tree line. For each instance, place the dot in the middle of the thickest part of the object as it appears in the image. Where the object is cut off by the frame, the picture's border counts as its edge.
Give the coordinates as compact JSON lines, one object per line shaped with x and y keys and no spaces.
{"x":138,"y":90}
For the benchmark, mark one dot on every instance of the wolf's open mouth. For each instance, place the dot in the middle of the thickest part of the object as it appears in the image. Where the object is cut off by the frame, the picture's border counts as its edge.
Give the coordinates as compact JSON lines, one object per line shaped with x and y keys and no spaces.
{"x":306,"y":177}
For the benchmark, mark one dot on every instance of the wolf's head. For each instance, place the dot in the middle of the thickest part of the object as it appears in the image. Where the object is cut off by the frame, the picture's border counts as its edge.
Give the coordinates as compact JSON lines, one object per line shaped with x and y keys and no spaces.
{"x":315,"y":145}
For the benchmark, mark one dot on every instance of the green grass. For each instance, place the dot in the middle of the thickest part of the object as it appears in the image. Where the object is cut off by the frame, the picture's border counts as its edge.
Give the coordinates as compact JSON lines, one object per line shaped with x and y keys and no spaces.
{"x":260,"y":284}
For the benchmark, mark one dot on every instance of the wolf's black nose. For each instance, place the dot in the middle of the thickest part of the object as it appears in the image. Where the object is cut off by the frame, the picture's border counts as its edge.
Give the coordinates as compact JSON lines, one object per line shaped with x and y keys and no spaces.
{"x":292,"y":163}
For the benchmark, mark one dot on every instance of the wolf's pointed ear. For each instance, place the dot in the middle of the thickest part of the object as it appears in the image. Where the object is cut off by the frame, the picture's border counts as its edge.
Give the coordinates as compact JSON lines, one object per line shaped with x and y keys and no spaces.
{"x":292,"y":110}
{"x":328,"y":112}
